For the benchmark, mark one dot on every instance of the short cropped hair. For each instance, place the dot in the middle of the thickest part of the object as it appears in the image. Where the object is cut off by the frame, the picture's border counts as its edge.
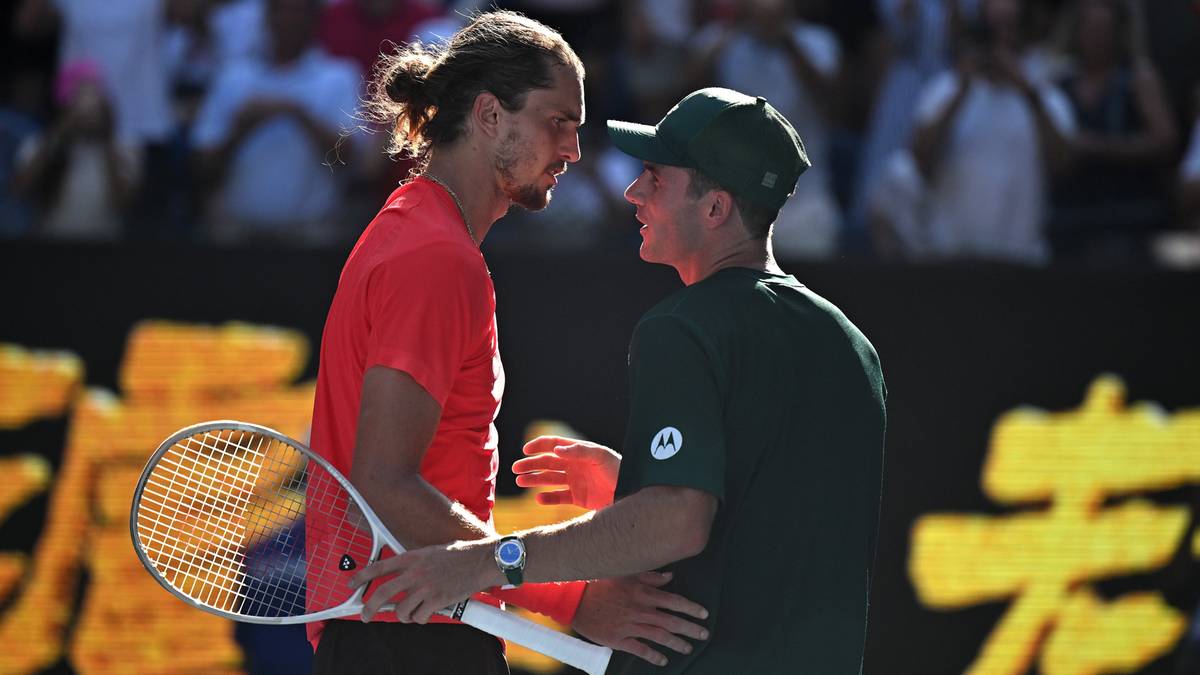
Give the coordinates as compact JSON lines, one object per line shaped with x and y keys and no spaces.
{"x":757,"y":219}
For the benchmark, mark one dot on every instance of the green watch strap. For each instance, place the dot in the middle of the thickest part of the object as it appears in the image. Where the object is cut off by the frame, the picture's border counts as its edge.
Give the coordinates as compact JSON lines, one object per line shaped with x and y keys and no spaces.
{"x":515,"y":576}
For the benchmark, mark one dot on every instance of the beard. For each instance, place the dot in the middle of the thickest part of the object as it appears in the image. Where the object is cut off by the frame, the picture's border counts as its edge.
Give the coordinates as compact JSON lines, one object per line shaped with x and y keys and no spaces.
{"x":509,"y":158}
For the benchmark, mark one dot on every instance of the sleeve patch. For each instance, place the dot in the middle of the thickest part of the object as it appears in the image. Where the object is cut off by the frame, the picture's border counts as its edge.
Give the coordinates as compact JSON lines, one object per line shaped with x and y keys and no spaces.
{"x":667,"y":442}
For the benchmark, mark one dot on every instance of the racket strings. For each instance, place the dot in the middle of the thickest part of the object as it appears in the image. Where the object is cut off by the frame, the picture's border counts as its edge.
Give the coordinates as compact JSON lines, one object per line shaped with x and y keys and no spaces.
{"x":196,"y":534}
{"x":340,"y":540}
{"x":207,"y":563}
{"x":242,"y":522}
{"x":210,"y":504}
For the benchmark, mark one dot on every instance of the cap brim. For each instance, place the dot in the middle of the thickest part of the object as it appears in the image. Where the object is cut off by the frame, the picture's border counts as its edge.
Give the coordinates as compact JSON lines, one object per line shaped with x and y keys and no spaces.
{"x":642,"y":141}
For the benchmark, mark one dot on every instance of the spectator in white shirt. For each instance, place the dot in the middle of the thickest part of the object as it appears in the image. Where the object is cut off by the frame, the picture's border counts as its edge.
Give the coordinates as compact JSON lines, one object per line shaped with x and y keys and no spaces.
{"x":987,"y":139}
{"x":125,"y":40}
{"x":80,"y":174}
{"x":769,"y":51}
{"x":267,"y":135}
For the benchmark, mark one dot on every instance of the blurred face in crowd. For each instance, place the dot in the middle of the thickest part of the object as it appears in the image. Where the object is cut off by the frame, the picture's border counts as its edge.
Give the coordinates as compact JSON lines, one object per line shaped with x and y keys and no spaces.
{"x":670,"y":217}
{"x":765,"y":15}
{"x":1097,"y":36}
{"x":1003,"y":18}
{"x":538,"y":141}
{"x":191,"y":13}
{"x":90,"y":110}
{"x":292,"y":24}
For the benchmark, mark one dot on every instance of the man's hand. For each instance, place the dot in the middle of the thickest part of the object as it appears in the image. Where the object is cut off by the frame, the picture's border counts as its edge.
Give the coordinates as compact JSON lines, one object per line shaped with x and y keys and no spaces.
{"x":1009,"y":70}
{"x":617,"y":612}
{"x":584,"y":472}
{"x":432,"y":579}
{"x":259,"y":110}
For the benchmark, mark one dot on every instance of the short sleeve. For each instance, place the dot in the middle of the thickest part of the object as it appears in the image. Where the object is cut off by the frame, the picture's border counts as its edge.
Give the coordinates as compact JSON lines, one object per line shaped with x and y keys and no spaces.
{"x":214,"y":119}
{"x":1058,"y":107}
{"x":676,"y":432}
{"x":821,"y":47}
{"x":427,"y":311}
{"x":936,"y":95}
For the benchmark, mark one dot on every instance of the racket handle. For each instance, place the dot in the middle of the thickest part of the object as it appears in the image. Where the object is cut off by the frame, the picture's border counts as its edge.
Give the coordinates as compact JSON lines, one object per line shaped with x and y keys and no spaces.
{"x":590,"y":658}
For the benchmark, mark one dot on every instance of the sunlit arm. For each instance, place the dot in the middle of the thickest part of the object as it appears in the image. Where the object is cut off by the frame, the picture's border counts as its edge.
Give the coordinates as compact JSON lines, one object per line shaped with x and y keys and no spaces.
{"x":397,"y":422}
{"x":646,"y":530}
{"x":651,"y":528}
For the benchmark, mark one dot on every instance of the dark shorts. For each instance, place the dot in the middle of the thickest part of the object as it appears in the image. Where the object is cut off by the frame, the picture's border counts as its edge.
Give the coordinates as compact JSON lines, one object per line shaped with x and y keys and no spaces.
{"x":405,"y":648}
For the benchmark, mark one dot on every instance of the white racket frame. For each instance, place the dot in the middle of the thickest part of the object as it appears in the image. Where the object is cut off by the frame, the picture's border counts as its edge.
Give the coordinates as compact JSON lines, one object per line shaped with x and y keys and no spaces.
{"x":590,"y":658}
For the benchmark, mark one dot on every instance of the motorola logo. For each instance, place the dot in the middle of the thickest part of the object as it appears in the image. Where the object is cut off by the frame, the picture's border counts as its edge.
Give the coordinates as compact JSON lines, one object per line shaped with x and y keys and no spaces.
{"x":666,"y":443}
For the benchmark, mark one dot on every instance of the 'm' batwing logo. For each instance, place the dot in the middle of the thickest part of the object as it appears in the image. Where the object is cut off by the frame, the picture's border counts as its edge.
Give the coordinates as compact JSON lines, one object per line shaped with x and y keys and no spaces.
{"x":666,"y":443}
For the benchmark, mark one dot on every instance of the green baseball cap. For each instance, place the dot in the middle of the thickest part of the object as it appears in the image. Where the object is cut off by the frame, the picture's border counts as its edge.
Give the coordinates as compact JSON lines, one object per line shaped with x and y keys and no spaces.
{"x":741,"y":142}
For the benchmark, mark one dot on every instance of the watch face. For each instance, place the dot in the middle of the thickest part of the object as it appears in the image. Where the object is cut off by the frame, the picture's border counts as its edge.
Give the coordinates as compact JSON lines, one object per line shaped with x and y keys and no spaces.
{"x":510,"y":553}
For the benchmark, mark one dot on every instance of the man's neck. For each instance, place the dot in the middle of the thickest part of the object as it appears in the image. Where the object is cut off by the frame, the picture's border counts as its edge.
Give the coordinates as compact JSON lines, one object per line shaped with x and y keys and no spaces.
{"x":465,"y":169}
{"x":751,"y":254}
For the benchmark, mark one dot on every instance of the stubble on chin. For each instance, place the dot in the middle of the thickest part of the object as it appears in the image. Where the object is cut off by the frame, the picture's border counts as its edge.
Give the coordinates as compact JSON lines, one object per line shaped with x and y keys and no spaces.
{"x":509,"y":156}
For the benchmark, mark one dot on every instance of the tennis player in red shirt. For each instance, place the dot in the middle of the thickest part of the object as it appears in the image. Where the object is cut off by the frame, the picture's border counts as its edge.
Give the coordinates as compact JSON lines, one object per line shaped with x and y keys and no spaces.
{"x":410,"y":375}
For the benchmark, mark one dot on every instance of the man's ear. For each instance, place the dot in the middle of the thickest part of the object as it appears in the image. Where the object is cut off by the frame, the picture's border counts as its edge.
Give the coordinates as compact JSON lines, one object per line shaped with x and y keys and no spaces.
{"x":719,"y":207}
{"x":485,"y":114}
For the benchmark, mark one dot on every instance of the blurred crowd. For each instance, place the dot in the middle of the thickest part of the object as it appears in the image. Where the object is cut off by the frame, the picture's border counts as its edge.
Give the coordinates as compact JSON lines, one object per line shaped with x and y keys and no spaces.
{"x":1024,"y":131}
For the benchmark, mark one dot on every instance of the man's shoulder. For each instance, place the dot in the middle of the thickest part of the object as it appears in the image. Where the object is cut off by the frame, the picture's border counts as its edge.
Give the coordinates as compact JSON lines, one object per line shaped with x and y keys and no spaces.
{"x":412,"y":229}
{"x":709,"y":307}
{"x":416,"y":208}
{"x":688,"y":304}
{"x":729,"y":290}
{"x":738,"y":303}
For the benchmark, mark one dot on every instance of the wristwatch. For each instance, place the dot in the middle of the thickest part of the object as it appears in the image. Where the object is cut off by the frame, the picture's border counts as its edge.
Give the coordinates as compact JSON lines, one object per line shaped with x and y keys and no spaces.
{"x":510,"y":558}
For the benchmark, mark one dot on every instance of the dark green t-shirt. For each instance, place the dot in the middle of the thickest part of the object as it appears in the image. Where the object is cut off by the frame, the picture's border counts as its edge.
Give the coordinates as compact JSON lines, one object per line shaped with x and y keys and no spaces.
{"x":751,"y":387}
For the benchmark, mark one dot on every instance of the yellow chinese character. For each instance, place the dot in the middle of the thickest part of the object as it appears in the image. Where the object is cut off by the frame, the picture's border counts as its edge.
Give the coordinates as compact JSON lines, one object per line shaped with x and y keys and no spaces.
{"x":173,"y":375}
{"x":35,"y":384}
{"x":24,"y":477}
{"x":1071,"y":462}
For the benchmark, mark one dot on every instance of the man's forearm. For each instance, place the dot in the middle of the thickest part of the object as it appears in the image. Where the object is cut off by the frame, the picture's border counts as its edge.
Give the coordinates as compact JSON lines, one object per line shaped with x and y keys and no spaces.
{"x":929,"y":139}
{"x":1056,"y":153}
{"x":649,"y":529}
{"x":420,"y":515}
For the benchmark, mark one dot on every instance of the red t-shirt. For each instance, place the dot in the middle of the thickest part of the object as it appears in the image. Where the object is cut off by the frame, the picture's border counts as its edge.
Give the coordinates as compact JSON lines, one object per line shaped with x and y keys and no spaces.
{"x":416,"y":295}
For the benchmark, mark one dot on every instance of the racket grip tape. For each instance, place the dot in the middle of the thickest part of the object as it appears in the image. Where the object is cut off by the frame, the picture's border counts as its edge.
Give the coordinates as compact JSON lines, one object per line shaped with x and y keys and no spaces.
{"x":590,"y":658}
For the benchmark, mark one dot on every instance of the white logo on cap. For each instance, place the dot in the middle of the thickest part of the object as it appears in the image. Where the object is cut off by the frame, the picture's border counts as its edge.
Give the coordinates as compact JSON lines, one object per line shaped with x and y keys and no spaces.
{"x":768,"y":180}
{"x":666,"y":443}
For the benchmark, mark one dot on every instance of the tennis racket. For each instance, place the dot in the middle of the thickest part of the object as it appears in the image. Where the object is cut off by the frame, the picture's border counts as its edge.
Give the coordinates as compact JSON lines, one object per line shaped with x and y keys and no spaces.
{"x":243,"y":522}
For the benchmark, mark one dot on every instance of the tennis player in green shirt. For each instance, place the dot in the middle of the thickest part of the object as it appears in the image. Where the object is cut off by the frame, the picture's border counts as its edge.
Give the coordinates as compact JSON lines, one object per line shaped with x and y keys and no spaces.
{"x":752,"y":464}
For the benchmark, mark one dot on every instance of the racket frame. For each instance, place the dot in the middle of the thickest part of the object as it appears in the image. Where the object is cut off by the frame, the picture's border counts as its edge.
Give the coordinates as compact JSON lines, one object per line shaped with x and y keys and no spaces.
{"x":590,"y":658}
{"x":379,"y":533}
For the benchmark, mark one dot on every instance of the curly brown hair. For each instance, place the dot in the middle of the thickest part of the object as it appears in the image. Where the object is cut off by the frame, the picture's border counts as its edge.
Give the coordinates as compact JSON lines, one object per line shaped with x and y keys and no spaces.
{"x":424,"y":93}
